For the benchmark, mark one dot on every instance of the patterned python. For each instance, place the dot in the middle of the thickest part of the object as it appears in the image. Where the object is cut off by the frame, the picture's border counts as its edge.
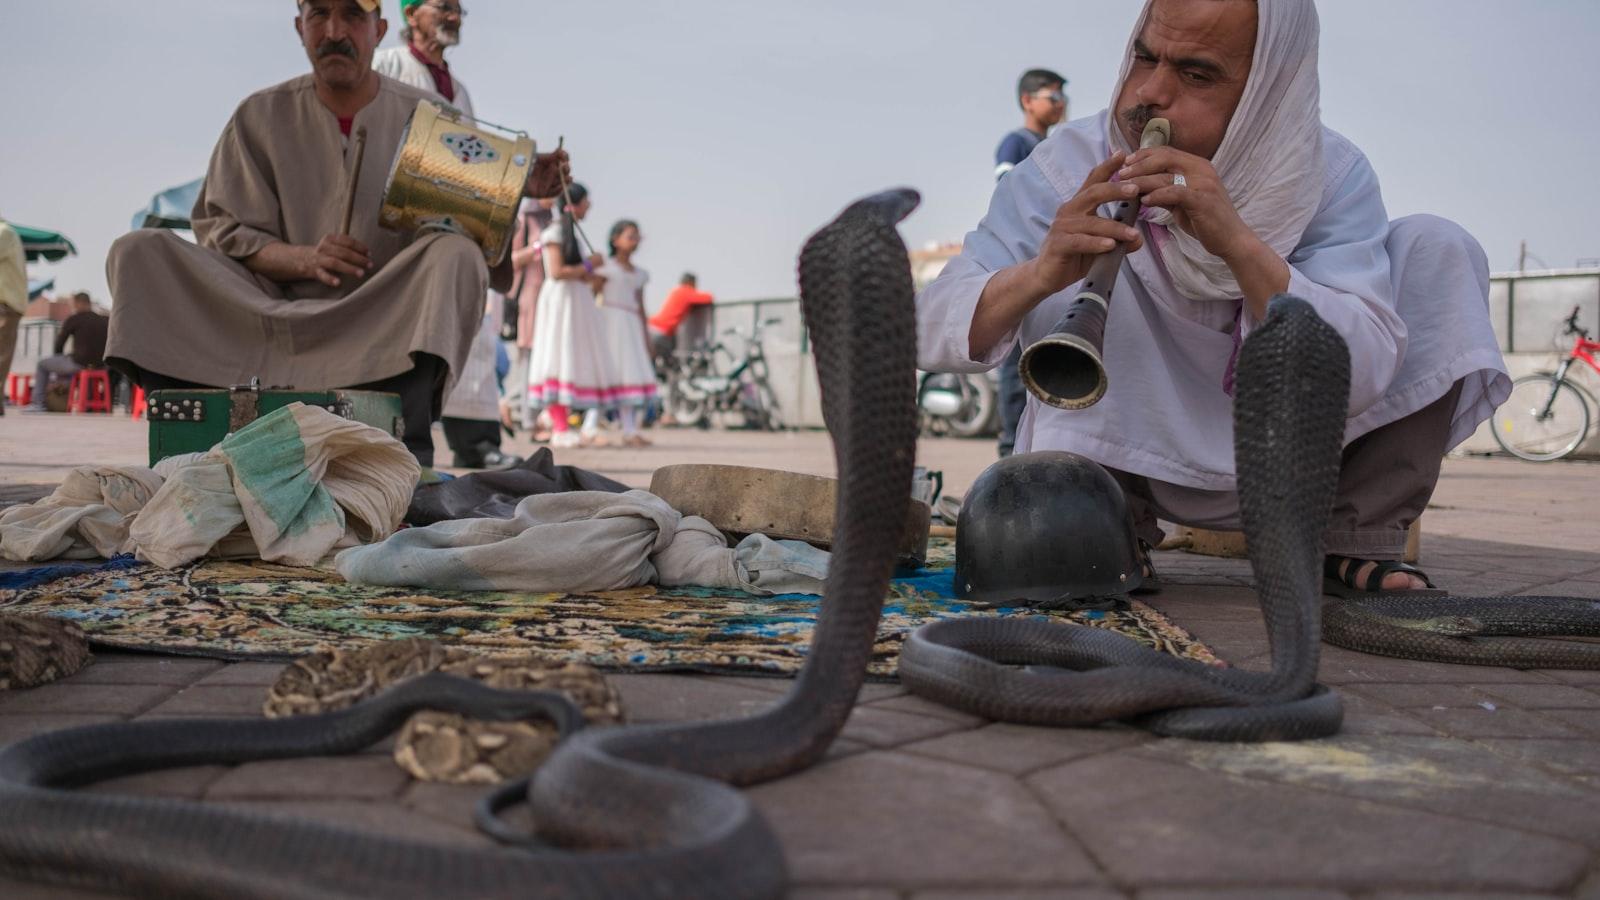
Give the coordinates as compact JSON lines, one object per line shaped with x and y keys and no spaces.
{"x":652,"y":807}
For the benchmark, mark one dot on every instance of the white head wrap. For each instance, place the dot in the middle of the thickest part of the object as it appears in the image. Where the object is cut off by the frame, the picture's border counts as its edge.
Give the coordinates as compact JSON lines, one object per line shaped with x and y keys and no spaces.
{"x":1270,"y":160}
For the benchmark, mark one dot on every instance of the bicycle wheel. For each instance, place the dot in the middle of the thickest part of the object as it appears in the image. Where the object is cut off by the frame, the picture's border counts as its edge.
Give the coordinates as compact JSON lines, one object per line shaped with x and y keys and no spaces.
{"x":758,"y":406}
{"x":1523,"y":427}
{"x":771,"y":413}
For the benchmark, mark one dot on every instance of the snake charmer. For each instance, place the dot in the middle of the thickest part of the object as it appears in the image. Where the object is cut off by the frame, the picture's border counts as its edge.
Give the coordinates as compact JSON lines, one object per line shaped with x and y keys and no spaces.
{"x":1253,"y":197}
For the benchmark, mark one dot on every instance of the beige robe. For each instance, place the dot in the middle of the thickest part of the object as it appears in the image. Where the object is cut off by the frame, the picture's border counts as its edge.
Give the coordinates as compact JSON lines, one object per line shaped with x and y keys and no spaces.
{"x":279,"y":173}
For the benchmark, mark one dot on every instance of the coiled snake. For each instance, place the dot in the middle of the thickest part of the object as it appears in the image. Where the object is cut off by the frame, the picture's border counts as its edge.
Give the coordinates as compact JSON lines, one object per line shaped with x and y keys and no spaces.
{"x":647,"y":811}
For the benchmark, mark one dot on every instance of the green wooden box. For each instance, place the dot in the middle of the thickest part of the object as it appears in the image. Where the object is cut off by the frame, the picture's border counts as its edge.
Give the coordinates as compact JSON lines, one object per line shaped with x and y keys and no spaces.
{"x":194,"y":421}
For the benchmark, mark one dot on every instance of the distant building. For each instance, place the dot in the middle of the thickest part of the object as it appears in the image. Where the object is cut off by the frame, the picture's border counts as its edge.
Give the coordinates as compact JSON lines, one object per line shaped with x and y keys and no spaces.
{"x":928,"y":262}
{"x":57,"y":309}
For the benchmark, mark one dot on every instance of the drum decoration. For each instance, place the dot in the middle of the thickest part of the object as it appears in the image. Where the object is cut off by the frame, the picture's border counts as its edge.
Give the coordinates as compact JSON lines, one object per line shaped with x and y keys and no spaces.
{"x":456,"y":173}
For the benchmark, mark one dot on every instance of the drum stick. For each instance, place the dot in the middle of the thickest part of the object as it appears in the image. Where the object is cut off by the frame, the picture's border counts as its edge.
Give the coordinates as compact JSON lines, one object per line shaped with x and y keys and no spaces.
{"x":355,"y":181}
{"x":566,"y":197}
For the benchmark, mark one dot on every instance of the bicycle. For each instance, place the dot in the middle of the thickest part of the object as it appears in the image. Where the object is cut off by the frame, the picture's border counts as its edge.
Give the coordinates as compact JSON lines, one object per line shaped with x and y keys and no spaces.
{"x":1547,"y":416}
{"x":697,"y":391}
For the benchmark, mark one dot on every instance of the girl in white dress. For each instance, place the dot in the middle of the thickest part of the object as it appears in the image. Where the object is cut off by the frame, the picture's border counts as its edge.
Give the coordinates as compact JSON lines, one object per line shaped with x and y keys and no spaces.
{"x":633,"y":373}
{"x":570,"y":365}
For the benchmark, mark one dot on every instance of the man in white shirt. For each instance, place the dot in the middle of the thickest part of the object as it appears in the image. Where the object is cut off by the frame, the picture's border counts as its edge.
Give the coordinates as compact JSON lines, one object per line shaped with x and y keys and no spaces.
{"x":1253,"y":198}
{"x":431,"y":26}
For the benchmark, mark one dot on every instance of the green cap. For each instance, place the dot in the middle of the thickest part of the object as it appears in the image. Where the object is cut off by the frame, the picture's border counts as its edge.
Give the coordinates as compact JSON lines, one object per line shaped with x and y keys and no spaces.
{"x":407,"y":4}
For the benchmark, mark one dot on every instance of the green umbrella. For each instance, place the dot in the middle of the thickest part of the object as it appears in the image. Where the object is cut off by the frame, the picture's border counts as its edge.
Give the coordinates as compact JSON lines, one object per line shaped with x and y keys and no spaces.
{"x":41,"y":244}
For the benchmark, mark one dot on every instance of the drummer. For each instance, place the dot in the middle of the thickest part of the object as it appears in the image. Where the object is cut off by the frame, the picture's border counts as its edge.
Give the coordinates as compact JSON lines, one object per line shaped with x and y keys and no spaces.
{"x":272,"y":290}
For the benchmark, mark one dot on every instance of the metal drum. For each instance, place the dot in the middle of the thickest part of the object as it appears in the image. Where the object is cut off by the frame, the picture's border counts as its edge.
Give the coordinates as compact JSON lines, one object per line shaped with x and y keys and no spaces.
{"x":453,"y":174}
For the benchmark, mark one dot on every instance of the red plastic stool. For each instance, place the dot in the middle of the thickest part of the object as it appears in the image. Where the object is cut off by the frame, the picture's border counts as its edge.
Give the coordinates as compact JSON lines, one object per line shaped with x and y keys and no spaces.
{"x":137,"y":406}
{"x":91,"y":391}
{"x":19,"y":389}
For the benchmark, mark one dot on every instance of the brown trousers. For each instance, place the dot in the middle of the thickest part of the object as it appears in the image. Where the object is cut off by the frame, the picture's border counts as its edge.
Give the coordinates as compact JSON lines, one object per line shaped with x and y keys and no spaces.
{"x":1386,"y":478}
{"x":10,"y":326}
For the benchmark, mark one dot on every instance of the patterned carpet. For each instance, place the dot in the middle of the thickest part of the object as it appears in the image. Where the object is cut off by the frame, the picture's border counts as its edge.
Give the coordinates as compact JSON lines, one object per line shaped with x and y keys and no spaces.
{"x":254,"y":610}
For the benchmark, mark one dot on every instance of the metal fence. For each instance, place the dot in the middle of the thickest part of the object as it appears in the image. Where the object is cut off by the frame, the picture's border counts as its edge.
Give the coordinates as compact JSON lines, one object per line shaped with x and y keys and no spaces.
{"x":1528,"y":309}
{"x":787,"y":347}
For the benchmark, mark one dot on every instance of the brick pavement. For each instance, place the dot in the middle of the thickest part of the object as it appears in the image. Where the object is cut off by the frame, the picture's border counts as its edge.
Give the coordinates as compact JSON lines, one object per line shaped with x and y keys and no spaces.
{"x":1447,"y":781}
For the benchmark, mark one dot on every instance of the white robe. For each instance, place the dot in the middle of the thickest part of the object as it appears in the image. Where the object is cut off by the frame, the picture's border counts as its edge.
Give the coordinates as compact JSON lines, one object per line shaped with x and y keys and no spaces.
{"x":398,"y":63}
{"x":1166,"y":415}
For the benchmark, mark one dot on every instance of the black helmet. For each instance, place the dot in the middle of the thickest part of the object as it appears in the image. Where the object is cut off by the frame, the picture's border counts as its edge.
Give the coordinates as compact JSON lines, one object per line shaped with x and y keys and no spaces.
{"x":1045,"y":528}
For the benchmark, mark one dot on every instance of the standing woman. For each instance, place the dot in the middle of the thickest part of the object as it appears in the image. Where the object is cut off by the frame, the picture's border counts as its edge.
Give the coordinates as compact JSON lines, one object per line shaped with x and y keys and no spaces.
{"x":633,"y":373}
{"x":527,"y":260}
{"x":571,"y":356}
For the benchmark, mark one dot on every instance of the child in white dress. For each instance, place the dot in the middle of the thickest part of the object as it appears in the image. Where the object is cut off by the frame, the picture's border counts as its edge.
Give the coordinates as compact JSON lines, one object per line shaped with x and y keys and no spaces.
{"x":633,"y":371}
{"x":570,"y":366}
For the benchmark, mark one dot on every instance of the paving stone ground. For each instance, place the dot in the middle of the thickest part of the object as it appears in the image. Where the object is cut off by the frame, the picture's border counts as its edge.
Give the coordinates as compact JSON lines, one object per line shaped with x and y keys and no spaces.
{"x":1447,"y":781}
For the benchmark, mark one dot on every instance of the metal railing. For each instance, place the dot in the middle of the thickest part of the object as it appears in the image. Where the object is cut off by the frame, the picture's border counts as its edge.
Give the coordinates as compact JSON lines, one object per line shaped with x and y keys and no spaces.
{"x":1528,"y":309}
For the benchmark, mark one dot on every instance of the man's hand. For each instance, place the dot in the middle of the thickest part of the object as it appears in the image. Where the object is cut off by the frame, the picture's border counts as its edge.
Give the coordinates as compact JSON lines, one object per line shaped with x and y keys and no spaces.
{"x":1078,"y":234}
{"x":1069,"y":248}
{"x":549,"y":171}
{"x":333,"y":256}
{"x":1201,"y":207}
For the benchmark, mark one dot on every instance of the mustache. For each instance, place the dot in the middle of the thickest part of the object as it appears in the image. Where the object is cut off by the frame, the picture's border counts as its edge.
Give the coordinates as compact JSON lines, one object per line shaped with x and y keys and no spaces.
{"x":1137,"y":117}
{"x":344,"y":48}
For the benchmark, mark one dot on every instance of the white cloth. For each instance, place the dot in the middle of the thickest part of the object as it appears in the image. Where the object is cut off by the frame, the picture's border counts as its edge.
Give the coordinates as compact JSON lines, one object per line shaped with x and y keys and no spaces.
{"x":1271,"y":154}
{"x":399,"y":63}
{"x":632,"y":369}
{"x":289,"y":487}
{"x":580,"y":541}
{"x":477,"y":391}
{"x":571,"y":361}
{"x":87,"y":516}
{"x":13,"y":272}
{"x":1165,"y":414}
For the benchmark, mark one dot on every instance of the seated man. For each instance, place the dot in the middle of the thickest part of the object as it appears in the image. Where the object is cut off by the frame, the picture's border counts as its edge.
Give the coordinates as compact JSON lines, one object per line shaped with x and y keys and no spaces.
{"x":87,"y":331}
{"x":1254,"y":197}
{"x":273,"y":290}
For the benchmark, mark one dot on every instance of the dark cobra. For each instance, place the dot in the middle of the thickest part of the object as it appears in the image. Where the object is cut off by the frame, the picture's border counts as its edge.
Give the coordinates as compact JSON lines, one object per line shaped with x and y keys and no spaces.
{"x":1293,"y":388}
{"x":1477,"y":631}
{"x":647,"y":811}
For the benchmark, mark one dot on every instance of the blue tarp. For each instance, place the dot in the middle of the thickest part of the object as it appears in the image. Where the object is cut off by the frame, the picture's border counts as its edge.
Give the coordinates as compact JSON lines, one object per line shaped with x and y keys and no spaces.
{"x":170,"y":208}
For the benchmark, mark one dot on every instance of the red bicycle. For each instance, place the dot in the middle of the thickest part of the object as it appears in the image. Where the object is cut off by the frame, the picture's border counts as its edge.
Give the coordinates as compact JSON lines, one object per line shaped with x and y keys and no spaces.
{"x":1547,"y":416}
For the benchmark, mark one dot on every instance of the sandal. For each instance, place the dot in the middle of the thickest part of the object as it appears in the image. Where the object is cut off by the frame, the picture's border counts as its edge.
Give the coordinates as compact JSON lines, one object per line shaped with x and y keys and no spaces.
{"x":1150,"y":583}
{"x":1344,"y":584}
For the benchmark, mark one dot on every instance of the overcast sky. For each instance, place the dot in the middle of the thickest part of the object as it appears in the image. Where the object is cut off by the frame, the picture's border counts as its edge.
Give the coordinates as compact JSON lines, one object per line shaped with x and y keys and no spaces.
{"x":731,"y":130}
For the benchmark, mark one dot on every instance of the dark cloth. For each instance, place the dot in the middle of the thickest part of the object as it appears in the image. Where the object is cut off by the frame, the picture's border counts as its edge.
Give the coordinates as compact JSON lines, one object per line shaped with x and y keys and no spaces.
{"x":1013,"y":149}
{"x":88,"y":333}
{"x":441,"y":75}
{"x":663,"y":347}
{"x":1013,"y":399}
{"x":421,"y":393}
{"x":495,"y":495}
{"x":419,"y":389}
{"x":469,"y":438}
